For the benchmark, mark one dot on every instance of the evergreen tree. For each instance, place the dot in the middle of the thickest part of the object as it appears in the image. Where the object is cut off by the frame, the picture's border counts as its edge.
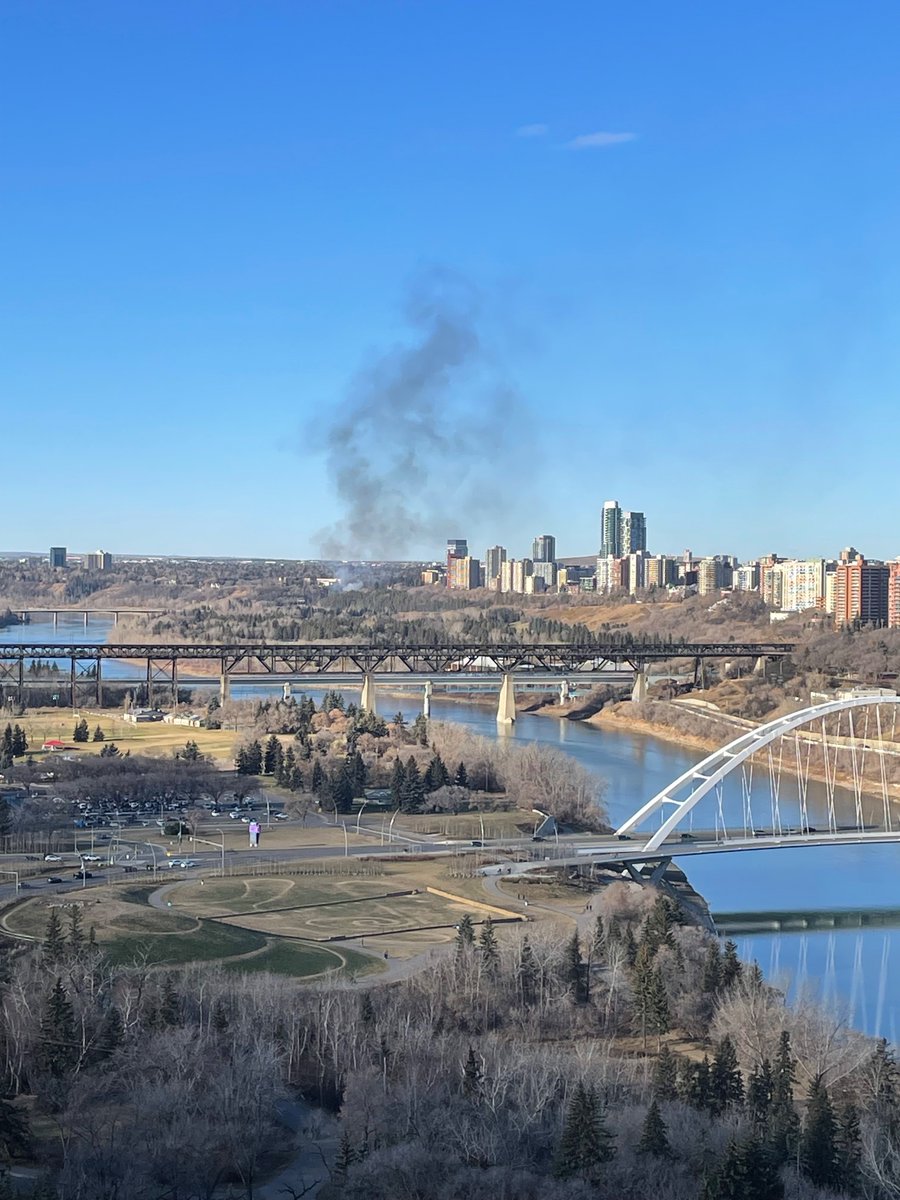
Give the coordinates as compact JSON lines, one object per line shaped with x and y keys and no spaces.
{"x":5,"y":818}
{"x":110,"y":750}
{"x":111,"y":1032}
{"x":883,"y":1078}
{"x":19,"y":741}
{"x":849,"y":1147}
{"x":6,"y":745}
{"x":586,"y":1144}
{"x":346,"y":1156}
{"x":732,"y":969}
{"x":169,"y":1004}
{"x":461,"y":778}
{"x":398,"y":782}
{"x":413,"y":795}
{"x":58,"y":1051}
{"x":99,"y":735}
{"x":272,"y":756}
{"x":285,"y":773}
{"x":573,"y":969}
{"x":598,"y":941}
{"x":527,"y":973}
{"x":342,"y":791}
{"x":15,"y":1134}
{"x":220,"y":1022}
{"x":366,"y":1009}
{"x":643,"y":987}
{"x":630,"y":946}
{"x":654,"y":1135}
{"x":420,"y":730}
{"x":783,"y":1121}
{"x":465,"y":934}
{"x":712,"y":969}
{"x":54,"y":947}
{"x":358,"y":774}
{"x":657,"y":1005}
{"x":818,"y":1140}
{"x":759,"y":1095}
{"x":747,"y":1172}
{"x":81,"y":733}
{"x":399,"y":721}
{"x":76,"y":930}
{"x":317,"y":779}
{"x":241,"y":762}
{"x":490,"y":953}
{"x":472,"y":1076}
{"x":694,"y":1084}
{"x":726,"y":1086}
{"x":665,"y":1076}
{"x":254,"y":758}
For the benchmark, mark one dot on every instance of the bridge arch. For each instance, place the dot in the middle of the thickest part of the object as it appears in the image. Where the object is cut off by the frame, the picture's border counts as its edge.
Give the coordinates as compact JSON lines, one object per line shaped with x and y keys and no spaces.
{"x":709,"y":773}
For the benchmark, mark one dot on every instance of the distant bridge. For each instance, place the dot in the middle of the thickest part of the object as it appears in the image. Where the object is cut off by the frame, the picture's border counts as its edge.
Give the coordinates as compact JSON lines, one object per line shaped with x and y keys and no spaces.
{"x":25,"y":614}
{"x":162,"y":664}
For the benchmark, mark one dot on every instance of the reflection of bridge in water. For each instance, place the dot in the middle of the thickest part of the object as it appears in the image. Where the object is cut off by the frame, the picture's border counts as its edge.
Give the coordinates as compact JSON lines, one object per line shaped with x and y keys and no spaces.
{"x":163,"y":667}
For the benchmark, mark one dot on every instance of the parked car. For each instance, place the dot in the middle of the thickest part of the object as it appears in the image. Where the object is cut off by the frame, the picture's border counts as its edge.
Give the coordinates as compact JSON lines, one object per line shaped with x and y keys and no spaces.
{"x":282,"y":816}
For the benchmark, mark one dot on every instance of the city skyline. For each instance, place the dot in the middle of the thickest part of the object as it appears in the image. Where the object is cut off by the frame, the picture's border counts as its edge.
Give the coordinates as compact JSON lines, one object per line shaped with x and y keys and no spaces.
{"x":693,"y":247}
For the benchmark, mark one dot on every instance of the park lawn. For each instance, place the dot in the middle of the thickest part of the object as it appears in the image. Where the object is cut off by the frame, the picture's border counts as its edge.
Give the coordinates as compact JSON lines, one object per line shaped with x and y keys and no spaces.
{"x":216,"y":897}
{"x":210,"y":942}
{"x":301,"y":960}
{"x":465,"y":826}
{"x":152,"y":737}
{"x":107,"y":910}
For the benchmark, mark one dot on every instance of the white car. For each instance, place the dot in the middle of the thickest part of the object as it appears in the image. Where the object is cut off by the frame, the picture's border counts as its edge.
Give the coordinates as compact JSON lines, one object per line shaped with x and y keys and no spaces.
{"x":91,"y":858}
{"x":282,"y":817}
{"x":52,"y":858}
{"x":183,"y":864}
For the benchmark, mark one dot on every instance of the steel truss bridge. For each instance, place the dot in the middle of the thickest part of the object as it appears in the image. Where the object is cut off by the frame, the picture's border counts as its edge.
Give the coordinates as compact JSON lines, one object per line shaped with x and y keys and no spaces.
{"x":167,"y":664}
{"x":825,"y":774}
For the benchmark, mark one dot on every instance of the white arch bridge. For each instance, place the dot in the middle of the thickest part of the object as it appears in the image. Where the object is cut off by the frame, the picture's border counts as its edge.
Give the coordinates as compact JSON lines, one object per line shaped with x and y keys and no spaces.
{"x":820,"y":776}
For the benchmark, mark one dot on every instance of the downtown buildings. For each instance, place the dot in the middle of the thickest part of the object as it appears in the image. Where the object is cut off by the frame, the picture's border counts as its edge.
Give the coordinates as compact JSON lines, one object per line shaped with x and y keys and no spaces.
{"x":850,"y":590}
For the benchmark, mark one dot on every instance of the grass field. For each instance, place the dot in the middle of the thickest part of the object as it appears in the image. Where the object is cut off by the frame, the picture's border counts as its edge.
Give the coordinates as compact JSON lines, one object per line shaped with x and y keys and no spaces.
{"x":154,"y":737}
{"x":132,"y":933}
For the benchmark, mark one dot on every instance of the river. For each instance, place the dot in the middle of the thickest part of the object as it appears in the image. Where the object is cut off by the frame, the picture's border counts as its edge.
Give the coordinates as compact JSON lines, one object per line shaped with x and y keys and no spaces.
{"x":857,"y":970}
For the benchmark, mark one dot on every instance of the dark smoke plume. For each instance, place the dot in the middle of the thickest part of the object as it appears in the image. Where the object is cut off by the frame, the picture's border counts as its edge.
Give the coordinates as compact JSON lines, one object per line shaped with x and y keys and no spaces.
{"x":421,"y":445}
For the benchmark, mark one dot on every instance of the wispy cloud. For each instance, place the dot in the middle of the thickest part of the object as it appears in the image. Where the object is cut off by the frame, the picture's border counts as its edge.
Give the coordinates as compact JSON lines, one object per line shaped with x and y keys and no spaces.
{"x":528,"y":131}
{"x":599,"y":141}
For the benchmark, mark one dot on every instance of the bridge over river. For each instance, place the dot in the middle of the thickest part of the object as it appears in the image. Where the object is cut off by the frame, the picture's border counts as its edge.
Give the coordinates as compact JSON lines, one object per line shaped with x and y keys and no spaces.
{"x":163,"y":667}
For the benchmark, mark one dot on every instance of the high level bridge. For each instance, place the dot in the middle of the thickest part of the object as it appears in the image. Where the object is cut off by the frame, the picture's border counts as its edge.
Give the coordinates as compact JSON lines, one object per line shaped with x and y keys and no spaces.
{"x":163,"y":667}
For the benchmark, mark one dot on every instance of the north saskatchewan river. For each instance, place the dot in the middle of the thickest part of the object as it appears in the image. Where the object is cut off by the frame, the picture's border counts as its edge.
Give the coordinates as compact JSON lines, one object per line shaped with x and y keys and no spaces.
{"x":855,"y":969}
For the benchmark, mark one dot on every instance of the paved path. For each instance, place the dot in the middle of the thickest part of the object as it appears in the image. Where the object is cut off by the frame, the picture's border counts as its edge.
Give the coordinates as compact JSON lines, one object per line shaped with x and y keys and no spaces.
{"x":318,"y":1136}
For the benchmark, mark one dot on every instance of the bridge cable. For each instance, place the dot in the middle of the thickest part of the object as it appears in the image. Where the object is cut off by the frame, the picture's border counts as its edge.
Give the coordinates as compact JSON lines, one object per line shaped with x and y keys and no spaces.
{"x":882,"y":763}
{"x":803,"y":782}
{"x":857,"y":775}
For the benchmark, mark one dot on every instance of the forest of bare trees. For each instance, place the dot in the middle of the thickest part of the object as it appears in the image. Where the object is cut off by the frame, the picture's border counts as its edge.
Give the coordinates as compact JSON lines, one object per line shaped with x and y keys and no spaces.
{"x":639,"y":1059}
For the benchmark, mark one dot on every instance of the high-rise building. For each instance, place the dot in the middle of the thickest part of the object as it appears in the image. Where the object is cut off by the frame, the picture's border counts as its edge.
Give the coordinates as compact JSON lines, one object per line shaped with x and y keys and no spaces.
{"x":522,"y":569}
{"x":494,"y":559}
{"x":861,"y":592}
{"x":632,"y":533}
{"x":894,"y":595}
{"x":746,"y":578}
{"x":661,"y":570}
{"x":456,"y":548}
{"x":464,"y":572}
{"x":100,"y":560}
{"x":610,"y":530}
{"x":622,"y":532}
{"x":57,"y":556}
{"x":803,"y":584}
{"x":545,"y":571}
{"x":637,"y":563}
{"x":543,"y":549}
{"x":714,"y":574}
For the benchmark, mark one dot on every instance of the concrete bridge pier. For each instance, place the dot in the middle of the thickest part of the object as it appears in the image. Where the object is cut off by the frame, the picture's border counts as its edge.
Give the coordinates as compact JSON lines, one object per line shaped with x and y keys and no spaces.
{"x":426,"y":699}
{"x":286,"y":690}
{"x":759,"y":667}
{"x":367,"y":700}
{"x":224,"y":687}
{"x":506,"y":709}
{"x":639,"y":689}
{"x":565,"y":694}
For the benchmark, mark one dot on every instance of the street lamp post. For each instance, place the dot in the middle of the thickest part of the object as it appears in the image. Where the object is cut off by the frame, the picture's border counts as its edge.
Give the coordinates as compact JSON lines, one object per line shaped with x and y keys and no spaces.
{"x":391,"y":826}
{"x":220,"y":846}
{"x":359,"y":814}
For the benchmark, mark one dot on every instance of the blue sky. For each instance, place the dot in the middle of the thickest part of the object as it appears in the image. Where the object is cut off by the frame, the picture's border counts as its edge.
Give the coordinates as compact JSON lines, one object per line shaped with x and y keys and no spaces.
{"x":680,"y":221}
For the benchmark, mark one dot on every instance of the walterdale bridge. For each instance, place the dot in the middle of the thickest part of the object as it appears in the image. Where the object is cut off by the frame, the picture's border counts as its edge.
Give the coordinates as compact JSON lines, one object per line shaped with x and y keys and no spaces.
{"x":162,"y":668}
{"x":826,"y":774}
